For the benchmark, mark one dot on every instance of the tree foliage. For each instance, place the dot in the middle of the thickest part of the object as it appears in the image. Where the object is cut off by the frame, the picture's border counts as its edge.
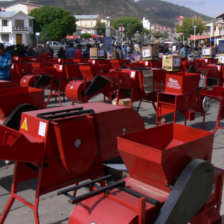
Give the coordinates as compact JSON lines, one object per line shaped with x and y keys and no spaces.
{"x":100,"y":28}
{"x":131,"y":25}
{"x":53,"y":23}
{"x":86,"y":35}
{"x":188,"y":27}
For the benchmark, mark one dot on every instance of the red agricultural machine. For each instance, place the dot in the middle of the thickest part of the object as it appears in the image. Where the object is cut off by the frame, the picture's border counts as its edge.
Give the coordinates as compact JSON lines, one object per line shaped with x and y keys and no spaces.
{"x":213,"y":74}
{"x":170,"y":181}
{"x":136,"y":84}
{"x":182,"y":95}
{"x":63,"y":146}
{"x":217,"y":93}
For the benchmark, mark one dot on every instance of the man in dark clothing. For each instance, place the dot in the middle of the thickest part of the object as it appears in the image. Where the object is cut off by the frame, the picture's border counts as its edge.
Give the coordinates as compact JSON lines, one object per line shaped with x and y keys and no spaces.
{"x":70,"y":52}
{"x":87,"y":51}
{"x":61,"y":53}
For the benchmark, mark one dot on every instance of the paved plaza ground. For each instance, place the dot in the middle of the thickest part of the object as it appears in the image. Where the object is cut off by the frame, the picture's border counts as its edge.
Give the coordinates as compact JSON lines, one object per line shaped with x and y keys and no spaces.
{"x":55,"y":209}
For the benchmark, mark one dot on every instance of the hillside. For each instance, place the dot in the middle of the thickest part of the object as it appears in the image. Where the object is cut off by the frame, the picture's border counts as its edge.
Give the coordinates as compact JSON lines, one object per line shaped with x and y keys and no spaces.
{"x":156,"y":11}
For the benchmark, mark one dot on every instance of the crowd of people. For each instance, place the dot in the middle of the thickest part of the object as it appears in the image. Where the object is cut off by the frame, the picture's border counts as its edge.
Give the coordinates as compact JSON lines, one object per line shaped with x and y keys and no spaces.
{"x":132,"y":51}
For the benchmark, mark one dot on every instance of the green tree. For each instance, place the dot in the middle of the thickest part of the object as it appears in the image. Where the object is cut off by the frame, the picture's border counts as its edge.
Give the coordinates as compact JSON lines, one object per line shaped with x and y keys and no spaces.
{"x":53,"y":23}
{"x":100,"y":28}
{"x":188,"y":27}
{"x":86,"y":35}
{"x":131,"y":25}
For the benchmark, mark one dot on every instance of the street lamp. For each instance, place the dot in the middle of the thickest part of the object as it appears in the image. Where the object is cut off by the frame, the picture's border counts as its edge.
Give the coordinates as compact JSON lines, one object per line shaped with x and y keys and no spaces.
{"x":37,"y":36}
{"x":195,"y":27}
{"x":107,"y":26}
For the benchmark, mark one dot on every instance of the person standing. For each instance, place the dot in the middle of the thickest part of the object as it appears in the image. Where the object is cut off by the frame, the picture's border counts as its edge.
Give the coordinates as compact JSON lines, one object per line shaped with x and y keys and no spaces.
{"x":5,"y":63}
{"x":78,"y":52}
{"x":61,"y":53}
{"x":182,"y":52}
{"x":70,"y":52}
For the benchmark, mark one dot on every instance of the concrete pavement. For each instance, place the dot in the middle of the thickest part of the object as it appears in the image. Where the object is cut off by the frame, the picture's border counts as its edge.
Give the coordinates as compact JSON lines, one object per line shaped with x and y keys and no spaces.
{"x":55,"y":209}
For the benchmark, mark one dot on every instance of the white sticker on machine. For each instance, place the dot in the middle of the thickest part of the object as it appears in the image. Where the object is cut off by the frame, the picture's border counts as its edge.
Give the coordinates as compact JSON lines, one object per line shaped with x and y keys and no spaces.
{"x":42,"y":129}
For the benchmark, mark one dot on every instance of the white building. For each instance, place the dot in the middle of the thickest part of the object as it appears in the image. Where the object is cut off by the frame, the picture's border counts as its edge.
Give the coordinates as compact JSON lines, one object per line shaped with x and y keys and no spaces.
{"x":16,"y":28}
{"x":24,"y":7}
{"x":86,"y":23}
{"x":215,"y":29}
{"x":146,"y":24}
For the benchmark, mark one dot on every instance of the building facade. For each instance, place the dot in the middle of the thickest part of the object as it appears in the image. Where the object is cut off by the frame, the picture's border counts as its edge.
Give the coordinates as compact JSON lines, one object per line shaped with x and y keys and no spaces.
{"x":24,"y":7}
{"x":215,"y":30}
{"x":86,"y":23}
{"x":16,"y":28}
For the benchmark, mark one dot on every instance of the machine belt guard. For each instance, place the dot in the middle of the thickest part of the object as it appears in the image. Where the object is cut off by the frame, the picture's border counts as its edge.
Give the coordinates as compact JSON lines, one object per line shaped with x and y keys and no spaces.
{"x":189,"y":194}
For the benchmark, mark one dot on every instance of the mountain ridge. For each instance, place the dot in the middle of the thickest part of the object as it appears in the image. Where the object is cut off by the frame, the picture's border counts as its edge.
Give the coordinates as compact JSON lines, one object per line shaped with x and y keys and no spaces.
{"x":157,"y":11}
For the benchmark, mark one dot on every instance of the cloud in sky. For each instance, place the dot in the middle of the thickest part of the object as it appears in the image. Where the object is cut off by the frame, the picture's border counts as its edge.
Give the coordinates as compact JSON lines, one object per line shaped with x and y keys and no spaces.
{"x":211,"y":8}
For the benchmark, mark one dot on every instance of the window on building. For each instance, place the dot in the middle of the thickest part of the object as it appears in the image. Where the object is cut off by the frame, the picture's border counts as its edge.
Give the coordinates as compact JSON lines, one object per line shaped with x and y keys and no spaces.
{"x":19,"y":23}
{"x":5,"y":37}
{"x":30,"y":23}
{"x":4,"y":22}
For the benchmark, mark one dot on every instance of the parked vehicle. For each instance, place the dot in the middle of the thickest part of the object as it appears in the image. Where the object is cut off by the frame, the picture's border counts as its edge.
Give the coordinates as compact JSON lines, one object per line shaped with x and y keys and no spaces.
{"x":55,"y":45}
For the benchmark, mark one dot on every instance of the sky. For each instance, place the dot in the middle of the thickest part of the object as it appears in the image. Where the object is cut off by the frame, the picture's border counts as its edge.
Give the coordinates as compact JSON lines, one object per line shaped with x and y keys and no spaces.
{"x":211,"y":8}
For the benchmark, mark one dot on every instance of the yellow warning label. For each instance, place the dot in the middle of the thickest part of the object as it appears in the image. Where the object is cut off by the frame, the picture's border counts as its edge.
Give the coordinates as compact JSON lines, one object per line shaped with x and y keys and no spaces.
{"x":24,"y":125}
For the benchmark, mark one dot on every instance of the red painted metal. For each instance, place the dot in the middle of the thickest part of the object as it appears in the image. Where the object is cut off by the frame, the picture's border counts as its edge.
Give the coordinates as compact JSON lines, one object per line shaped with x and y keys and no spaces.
{"x":180,"y":95}
{"x":28,"y":80}
{"x":186,"y":64}
{"x":123,"y":80}
{"x":153,"y":164}
{"x":217,"y":93}
{"x":166,"y":157}
{"x":7,"y":84}
{"x":12,"y":96}
{"x":115,"y":64}
{"x":182,"y":82}
{"x":75,"y":90}
{"x":65,"y":150}
{"x":26,"y":65}
{"x":152,"y":63}
{"x":212,"y":72}
{"x":19,"y":69}
{"x":133,"y":81}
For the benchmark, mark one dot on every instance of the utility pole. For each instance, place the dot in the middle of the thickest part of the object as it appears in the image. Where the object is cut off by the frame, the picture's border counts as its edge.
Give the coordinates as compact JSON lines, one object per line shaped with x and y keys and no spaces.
{"x":195,"y":27}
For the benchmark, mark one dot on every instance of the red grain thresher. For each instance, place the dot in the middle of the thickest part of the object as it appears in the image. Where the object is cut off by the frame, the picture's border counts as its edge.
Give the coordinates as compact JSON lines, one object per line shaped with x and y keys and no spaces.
{"x":213,"y":74}
{"x":63,"y":146}
{"x":171,"y":181}
{"x":217,"y":93}
{"x":181,"y":94}
{"x":76,"y":89}
{"x":136,"y":84}
{"x":24,"y":66}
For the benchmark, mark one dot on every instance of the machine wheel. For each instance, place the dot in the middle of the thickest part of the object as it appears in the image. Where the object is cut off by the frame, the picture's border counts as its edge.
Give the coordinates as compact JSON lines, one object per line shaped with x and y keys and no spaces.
{"x":13,"y":120}
{"x":206,"y":104}
{"x":189,"y":194}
